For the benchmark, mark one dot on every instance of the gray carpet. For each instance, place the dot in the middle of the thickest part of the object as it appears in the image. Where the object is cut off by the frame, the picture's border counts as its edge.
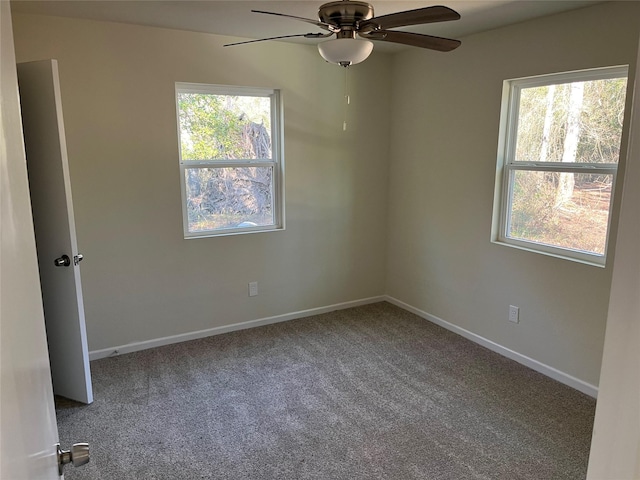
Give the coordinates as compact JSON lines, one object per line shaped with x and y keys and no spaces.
{"x":372,"y":392}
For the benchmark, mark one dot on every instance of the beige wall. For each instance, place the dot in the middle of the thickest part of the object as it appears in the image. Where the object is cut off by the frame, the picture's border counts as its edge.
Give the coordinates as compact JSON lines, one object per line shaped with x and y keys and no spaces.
{"x":421,"y":183}
{"x":141,"y":279}
{"x":444,"y":137}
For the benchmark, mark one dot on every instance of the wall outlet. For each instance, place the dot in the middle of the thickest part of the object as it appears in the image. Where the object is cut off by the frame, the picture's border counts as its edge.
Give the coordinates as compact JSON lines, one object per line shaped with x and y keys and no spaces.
{"x":514,"y":314}
{"x":253,"y":289}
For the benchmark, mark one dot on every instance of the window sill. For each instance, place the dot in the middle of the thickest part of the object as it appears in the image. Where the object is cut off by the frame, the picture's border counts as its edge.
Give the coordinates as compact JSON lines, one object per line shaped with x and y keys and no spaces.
{"x":233,"y":232}
{"x":552,"y":253}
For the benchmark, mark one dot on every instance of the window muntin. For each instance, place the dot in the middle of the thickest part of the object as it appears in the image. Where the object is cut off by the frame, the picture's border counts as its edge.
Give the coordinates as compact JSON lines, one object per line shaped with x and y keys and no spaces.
{"x":230,"y":159}
{"x":557,"y":164}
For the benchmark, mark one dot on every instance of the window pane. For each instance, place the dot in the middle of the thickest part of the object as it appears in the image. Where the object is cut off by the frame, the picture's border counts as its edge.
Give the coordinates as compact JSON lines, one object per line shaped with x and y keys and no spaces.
{"x":224,"y":127}
{"x":569,"y":210}
{"x":219,"y":198}
{"x":571,"y":122}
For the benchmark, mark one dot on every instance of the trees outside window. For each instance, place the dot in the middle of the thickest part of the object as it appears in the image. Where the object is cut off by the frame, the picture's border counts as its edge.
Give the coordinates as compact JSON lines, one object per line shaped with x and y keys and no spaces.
{"x":230,"y":159}
{"x":557,"y":162}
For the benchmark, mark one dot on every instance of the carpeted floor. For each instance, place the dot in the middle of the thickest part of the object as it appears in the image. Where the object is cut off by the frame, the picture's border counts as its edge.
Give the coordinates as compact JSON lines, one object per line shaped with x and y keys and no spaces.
{"x":372,"y":392}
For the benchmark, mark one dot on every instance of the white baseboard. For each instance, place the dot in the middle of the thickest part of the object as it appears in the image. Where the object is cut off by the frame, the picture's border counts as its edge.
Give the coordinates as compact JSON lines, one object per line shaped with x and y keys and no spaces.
{"x":183,"y":337}
{"x":554,"y":373}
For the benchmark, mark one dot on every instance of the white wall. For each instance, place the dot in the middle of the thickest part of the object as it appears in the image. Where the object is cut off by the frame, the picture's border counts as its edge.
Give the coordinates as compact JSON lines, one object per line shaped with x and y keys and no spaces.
{"x":444,"y":137}
{"x":141,"y":279}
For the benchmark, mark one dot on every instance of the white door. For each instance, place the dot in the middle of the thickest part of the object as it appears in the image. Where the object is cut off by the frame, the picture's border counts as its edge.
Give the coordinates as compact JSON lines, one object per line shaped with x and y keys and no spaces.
{"x":28,"y":432}
{"x":52,"y":208}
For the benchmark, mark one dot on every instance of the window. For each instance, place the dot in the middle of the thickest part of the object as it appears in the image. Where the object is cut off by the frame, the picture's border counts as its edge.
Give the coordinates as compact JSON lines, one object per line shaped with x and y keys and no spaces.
{"x":558,"y":157}
{"x":231,"y":165}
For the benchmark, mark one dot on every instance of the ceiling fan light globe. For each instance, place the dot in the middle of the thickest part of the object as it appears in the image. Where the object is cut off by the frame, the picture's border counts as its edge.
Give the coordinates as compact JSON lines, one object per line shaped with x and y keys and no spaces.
{"x":345,"y":51}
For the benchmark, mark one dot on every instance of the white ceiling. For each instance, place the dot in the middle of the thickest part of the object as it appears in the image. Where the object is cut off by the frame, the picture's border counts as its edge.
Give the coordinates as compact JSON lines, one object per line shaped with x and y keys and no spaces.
{"x":234,"y":18}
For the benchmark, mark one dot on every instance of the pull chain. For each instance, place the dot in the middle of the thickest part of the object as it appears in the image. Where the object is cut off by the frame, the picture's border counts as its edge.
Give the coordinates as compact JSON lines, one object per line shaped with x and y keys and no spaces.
{"x":347,"y":99}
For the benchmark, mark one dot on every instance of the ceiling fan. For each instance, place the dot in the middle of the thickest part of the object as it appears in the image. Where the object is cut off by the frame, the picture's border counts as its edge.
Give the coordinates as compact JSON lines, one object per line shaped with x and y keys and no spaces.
{"x":347,"y":19}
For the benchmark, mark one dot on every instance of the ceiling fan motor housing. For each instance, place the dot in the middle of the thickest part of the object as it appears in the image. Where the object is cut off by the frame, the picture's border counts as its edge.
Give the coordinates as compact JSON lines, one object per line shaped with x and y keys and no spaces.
{"x":345,"y":13}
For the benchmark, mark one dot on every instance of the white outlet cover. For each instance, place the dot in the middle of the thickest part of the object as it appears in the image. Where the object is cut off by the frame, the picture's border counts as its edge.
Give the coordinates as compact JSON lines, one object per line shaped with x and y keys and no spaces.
{"x":514,"y":314}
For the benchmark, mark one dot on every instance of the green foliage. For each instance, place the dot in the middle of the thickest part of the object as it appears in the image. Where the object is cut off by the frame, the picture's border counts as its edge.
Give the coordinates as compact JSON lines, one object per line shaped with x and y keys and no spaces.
{"x":580,"y":224}
{"x":226,"y":197}
{"x":208,"y":130}
{"x":600,"y":122}
{"x":532,"y":207}
{"x":219,"y":128}
{"x":602,"y":119}
{"x":566,"y":209}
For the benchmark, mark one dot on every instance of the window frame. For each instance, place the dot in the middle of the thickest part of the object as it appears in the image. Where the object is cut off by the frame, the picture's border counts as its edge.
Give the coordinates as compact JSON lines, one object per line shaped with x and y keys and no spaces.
{"x":507,"y":166}
{"x":276,"y":162}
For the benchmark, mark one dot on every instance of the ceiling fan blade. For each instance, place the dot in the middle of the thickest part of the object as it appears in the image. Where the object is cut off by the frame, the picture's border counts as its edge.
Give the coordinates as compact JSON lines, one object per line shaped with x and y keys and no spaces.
{"x":325,"y":26}
{"x":305,"y":35}
{"x":410,"y":17}
{"x":413,"y":39}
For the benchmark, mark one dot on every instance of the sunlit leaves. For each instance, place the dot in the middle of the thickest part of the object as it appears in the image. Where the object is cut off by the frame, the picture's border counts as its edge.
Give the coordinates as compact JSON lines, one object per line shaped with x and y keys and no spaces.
{"x":564,"y":143}
{"x":218,"y":129}
{"x":600,"y":121}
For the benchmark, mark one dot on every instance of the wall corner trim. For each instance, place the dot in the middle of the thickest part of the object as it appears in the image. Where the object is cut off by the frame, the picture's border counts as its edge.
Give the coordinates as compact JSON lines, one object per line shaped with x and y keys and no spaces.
{"x":540,"y":367}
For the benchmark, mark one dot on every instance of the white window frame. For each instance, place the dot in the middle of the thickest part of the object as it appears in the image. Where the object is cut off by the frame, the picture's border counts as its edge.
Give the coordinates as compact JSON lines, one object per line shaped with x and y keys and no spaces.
{"x":276,"y":161}
{"x":507,"y":165}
